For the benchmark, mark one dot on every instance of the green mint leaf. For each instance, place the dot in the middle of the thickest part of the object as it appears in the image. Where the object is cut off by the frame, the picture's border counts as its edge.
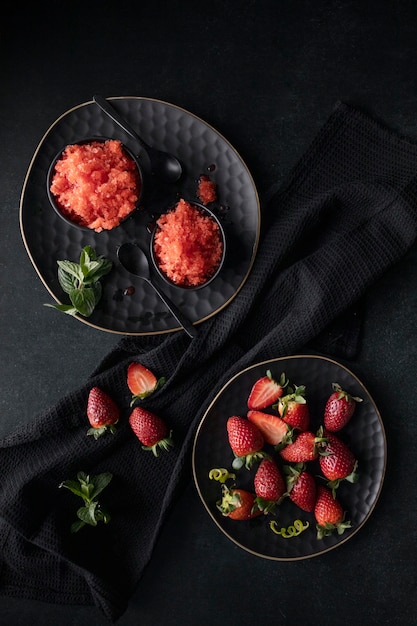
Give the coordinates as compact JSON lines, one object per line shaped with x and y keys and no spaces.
{"x":67,"y":280}
{"x":83,"y":300}
{"x":100,"y":482}
{"x":87,"y":514}
{"x":65,"y":308}
{"x":73,"y":486}
{"x":71,"y":268}
{"x":76,"y":526}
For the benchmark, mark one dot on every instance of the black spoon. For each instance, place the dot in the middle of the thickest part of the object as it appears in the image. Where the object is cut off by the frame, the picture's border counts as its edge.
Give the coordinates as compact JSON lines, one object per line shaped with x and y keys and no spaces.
{"x":164,"y":165}
{"x":134,"y":260}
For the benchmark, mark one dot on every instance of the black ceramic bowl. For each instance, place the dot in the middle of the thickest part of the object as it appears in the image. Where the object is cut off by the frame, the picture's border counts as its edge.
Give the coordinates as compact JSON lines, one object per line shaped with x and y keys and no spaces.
{"x":208,"y":214}
{"x":54,"y":200}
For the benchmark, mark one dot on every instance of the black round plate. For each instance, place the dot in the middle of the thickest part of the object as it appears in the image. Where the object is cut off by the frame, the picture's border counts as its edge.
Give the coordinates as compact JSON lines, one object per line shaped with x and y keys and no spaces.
{"x":130,"y":305}
{"x":364,"y":434}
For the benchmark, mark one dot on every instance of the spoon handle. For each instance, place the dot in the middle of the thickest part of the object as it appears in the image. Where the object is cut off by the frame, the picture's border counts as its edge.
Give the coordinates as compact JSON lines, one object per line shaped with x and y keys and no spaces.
{"x":180,"y":317}
{"x":114,"y":115}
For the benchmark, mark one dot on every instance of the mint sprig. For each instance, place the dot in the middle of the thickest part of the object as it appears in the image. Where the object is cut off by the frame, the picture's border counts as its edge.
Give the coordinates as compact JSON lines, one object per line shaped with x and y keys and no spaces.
{"x":88,"y":488}
{"x":81,"y":281}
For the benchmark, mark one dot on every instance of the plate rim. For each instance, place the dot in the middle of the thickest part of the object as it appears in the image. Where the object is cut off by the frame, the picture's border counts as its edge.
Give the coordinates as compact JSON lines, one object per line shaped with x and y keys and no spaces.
{"x":377,"y":493}
{"x":167,"y":331}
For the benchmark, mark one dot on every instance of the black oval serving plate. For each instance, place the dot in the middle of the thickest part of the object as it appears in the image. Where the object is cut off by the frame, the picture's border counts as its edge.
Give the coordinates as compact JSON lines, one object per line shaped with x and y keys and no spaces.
{"x":364,"y":434}
{"x":129,"y":305}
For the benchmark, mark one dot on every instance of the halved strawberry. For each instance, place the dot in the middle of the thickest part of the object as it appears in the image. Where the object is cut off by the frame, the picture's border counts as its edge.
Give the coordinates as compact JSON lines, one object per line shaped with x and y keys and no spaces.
{"x":238,"y":504}
{"x":272,"y":427}
{"x":141,"y":381}
{"x":151,"y":430}
{"x":266,"y":391}
{"x":246,"y":441}
{"x":102,"y":412}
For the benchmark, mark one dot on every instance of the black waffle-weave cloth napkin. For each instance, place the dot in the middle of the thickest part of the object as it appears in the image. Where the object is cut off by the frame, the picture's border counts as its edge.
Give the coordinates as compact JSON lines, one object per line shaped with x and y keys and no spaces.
{"x":347,"y":212}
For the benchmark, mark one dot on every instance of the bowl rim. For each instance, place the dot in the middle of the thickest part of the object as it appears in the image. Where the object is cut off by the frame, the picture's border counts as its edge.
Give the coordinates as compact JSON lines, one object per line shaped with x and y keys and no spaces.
{"x":86,"y":140}
{"x":204,"y":209}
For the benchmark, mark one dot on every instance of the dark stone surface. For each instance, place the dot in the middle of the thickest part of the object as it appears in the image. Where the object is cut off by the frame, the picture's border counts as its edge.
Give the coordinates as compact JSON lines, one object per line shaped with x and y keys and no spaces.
{"x":266,"y":74}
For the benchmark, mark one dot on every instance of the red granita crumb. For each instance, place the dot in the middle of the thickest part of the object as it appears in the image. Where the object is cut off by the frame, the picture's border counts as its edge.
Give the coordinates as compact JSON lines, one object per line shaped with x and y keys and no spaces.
{"x":96,"y":184}
{"x":206,"y":190}
{"x":188,"y":245}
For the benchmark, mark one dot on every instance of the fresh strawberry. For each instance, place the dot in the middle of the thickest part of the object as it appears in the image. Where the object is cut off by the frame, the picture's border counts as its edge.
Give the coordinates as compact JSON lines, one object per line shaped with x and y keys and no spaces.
{"x":329,"y":514}
{"x":303,"y":448}
{"x":339,"y":409}
{"x":269,"y":486}
{"x":266,"y":391}
{"x":294,"y":410}
{"x":301,"y":486}
{"x":274,"y":430}
{"x":246,"y":441}
{"x":238,"y":504}
{"x":141,"y":381}
{"x":337,"y":461}
{"x":102,"y":412}
{"x":151,"y":430}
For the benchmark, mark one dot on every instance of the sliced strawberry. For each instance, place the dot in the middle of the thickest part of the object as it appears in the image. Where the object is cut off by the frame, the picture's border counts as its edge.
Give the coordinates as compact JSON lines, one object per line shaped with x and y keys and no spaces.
{"x":141,"y":381}
{"x":272,"y":427}
{"x":102,"y":412}
{"x":266,"y":391}
{"x":151,"y":430}
{"x":238,"y":504}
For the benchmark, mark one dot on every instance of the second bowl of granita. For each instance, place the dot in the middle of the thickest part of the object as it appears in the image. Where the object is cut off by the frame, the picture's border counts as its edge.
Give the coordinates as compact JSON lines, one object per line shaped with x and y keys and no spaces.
{"x":188,"y":245}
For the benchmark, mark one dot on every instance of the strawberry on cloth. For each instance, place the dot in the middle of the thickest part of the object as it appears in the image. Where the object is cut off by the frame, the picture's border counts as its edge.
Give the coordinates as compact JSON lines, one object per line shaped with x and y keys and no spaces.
{"x":348,"y":209}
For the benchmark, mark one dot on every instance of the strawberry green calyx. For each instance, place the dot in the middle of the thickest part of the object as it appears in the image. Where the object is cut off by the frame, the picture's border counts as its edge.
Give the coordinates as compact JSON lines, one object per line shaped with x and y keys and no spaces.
{"x":88,"y":488}
{"x":98,"y":432}
{"x":351,"y":478}
{"x":294,"y":395}
{"x":327,"y":529}
{"x":344,"y":394}
{"x":163,"y":444}
{"x":249,"y":459}
{"x":144,"y":394}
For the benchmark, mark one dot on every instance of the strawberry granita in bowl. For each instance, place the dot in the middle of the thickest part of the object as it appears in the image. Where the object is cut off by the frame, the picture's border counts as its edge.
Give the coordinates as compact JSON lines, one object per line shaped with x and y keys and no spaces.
{"x":188,"y":245}
{"x":95,"y":184}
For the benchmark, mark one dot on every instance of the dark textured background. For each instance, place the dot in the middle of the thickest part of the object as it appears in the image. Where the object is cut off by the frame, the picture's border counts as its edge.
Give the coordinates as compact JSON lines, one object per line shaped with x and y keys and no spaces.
{"x":266,"y":74}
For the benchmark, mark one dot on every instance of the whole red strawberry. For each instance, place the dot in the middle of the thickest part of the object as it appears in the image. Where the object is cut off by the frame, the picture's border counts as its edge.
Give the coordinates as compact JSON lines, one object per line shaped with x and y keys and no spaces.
{"x":303,"y":448}
{"x":151,"y":430}
{"x":339,"y":409}
{"x":301,"y":486}
{"x":102,"y":412}
{"x":294,"y":410}
{"x":246,"y":441}
{"x":329,"y":514}
{"x":269,"y":486}
{"x":337,"y":461}
{"x":238,"y":504}
{"x":266,"y":391}
{"x":141,"y":381}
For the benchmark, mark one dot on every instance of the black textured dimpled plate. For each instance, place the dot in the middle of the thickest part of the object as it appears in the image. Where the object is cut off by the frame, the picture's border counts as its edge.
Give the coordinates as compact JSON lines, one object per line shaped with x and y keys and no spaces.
{"x":202,"y":150}
{"x":365,"y":434}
